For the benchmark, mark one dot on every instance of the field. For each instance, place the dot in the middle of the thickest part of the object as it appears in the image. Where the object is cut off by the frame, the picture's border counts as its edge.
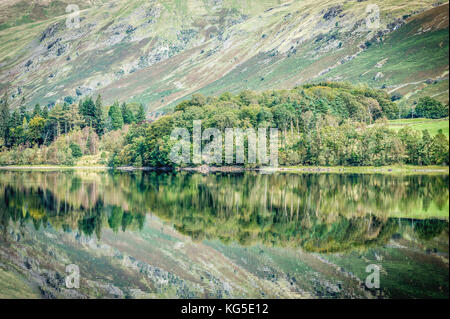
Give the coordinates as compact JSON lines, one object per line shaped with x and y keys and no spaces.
{"x":433,"y":126}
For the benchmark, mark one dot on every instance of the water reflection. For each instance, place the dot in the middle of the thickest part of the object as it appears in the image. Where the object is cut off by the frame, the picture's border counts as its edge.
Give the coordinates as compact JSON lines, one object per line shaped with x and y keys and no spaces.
{"x":317,"y":212}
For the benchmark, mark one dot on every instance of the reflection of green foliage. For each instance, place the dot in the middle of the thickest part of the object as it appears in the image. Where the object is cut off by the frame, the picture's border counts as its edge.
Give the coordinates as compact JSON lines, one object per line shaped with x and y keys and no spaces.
{"x":319,"y":212}
{"x":350,"y":233}
{"x":28,"y":204}
{"x":430,"y":228}
{"x":75,"y":184}
{"x":127,"y":219}
{"x":116,"y":218}
{"x":87,"y":225}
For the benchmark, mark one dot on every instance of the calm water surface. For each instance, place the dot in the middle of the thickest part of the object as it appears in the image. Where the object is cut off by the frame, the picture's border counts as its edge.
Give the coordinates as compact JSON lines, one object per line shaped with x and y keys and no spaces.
{"x":181,"y":235}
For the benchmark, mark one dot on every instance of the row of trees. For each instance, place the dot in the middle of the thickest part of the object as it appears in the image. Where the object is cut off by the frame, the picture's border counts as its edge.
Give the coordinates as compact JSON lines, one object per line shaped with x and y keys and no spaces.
{"x":31,"y":132}
{"x":110,"y":118}
{"x":322,"y":124}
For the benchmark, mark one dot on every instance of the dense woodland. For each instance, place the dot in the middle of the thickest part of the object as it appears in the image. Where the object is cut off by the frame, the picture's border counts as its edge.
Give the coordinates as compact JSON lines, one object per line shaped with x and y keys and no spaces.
{"x":320,"y":124}
{"x":62,"y":134}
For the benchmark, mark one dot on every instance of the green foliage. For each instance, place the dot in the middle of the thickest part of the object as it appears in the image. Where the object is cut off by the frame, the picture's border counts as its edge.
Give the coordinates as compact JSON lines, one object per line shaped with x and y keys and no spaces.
{"x":45,"y":112}
{"x":439,"y":150}
{"x":4,"y":120}
{"x":140,"y":116}
{"x":138,"y":161}
{"x":320,"y":124}
{"x":99,"y":121}
{"x":37,"y":110}
{"x":113,"y":161}
{"x":127,"y":114}
{"x":69,"y":99}
{"x":92,"y":114}
{"x":429,"y":228}
{"x":430,"y":108}
{"x":36,"y":130}
{"x":76,"y":150}
{"x":87,"y":110}
{"x":116,"y":117}
{"x":23,"y":111}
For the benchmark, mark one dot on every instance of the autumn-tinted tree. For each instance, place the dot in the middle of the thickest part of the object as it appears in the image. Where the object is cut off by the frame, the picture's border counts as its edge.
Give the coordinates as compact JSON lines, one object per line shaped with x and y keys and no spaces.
{"x":36,"y":130}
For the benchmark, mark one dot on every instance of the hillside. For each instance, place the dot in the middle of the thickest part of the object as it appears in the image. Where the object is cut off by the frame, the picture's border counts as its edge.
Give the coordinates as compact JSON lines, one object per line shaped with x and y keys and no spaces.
{"x":420,"y":124}
{"x":160,"y":52}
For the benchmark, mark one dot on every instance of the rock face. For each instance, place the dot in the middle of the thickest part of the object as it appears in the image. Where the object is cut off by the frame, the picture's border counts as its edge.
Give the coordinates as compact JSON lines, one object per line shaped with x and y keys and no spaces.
{"x":378,"y":76}
{"x":332,"y":12}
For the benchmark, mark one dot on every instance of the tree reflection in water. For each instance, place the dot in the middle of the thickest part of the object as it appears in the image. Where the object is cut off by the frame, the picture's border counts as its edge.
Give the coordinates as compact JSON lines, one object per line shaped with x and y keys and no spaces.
{"x":317,"y":212}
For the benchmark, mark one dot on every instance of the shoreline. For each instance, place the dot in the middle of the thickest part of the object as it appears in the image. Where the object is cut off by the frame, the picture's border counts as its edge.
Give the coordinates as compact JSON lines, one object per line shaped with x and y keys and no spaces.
{"x":204,"y":169}
{"x":319,"y":169}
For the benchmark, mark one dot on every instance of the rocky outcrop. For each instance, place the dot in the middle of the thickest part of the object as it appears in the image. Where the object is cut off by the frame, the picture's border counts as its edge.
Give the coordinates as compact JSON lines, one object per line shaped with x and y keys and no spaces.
{"x":332,"y":12}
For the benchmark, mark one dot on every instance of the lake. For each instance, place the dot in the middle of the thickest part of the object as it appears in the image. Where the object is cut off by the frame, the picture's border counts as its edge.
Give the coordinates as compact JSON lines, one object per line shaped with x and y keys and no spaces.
{"x":241,"y":235}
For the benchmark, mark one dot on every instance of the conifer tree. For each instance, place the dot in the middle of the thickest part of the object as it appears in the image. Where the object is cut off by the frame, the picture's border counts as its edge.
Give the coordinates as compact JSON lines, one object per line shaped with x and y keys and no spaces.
{"x":23,"y":110}
{"x":99,"y":123}
{"x":140,"y":116}
{"x":45,"y":112}
{"x":5,"y":120}
{"x":127,"y":115}
{"x":37,"y":110}
{"x":116,"y":116}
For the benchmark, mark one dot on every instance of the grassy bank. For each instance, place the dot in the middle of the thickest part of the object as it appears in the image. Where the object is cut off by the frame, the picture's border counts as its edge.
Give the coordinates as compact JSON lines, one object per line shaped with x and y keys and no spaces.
{"x":394,"y":169}
{"x":420,"y":124}
{"x":49,"y":167}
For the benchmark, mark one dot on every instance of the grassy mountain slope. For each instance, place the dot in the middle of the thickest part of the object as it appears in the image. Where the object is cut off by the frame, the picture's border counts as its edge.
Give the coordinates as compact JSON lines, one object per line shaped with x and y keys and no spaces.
{"x":409,"y":61}
{"x":18,"y":12}
{"x":160,"y":52}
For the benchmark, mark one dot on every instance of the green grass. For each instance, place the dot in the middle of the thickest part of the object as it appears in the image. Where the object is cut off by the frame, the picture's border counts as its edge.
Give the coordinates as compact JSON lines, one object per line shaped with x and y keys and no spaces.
{"x":25,"y":12}
{"x":50,"y":168}
{"x":390,"y":169}
{"x":410,"y":58}
{"x":404,"y":274}
{"x":420,"y":124}
{"x":438,"y":91}
{"x":13,"y":285}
